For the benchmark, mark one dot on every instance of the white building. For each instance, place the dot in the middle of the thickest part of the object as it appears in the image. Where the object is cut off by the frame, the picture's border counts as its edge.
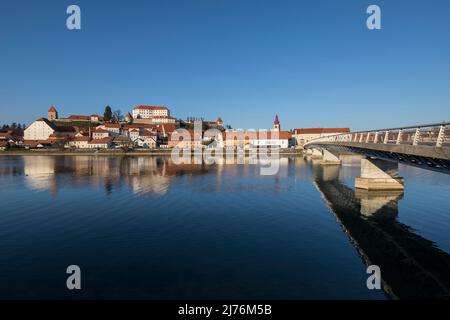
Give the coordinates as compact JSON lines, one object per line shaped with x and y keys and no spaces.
{"x":42,"y":129}
{"x":133,"y":134}
{"x":78,"y":142}
{"x":147,"y":112}
{"x":113,"y":128}
{"x":279,"y":139}
{"x":163,"y":119}
{"x":100,"y":133}
{"x":147,"y":139}
{"x":103,"y":143}
{"x":274,"y":138}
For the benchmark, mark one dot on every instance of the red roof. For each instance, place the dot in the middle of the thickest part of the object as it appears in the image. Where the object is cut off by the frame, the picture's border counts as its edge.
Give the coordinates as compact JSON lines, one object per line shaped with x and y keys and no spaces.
{"x":321,"y":130}
{"x":36,"y":142}
{"x":78,"y":117}
{"x":100,"y":130}
{"x":112,"y":125}
{"x":147,"y":133}
{"x":150,"y":108}
{"x":84,"y":138}
{"x":167,"y":127}
{"x":52,"y":109}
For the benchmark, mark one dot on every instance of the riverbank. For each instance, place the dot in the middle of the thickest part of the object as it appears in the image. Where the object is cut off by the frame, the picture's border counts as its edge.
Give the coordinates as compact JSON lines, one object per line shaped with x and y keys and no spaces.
{"x":112,"y":152}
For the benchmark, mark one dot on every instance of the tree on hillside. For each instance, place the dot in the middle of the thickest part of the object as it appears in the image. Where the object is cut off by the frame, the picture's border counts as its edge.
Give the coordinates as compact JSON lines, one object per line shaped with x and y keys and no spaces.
{"x":107,"y":116}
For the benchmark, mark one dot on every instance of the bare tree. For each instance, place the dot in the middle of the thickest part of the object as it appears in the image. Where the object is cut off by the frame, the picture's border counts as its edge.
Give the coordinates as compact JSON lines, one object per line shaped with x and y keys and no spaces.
{"x":118,"y":115}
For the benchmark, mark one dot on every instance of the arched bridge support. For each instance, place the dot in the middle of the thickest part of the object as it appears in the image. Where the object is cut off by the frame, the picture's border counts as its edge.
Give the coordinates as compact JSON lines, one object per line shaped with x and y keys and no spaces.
{"x":377,"y":174}
{"x":316,"y":153}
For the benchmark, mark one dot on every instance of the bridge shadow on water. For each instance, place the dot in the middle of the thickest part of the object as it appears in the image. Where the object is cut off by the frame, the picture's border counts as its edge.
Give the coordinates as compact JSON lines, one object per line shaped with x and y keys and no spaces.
{"x":412,"y":267}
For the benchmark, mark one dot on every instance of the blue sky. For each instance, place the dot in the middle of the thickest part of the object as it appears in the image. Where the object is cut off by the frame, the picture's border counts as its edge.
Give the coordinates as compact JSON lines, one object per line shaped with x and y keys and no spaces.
{"x":313,"y":62}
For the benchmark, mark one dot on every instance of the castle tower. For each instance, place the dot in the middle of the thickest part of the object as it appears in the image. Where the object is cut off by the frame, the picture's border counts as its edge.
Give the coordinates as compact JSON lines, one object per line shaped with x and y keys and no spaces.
{"x":52,"y":113}
{"x":276,"y":124}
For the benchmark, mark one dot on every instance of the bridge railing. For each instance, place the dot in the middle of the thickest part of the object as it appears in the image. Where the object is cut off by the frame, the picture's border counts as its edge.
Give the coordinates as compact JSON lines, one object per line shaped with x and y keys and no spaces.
{"x":437,"y":135}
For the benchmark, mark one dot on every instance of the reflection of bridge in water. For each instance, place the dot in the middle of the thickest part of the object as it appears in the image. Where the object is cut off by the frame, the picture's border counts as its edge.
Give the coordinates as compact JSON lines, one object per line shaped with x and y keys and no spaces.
{"x":411,"y":266}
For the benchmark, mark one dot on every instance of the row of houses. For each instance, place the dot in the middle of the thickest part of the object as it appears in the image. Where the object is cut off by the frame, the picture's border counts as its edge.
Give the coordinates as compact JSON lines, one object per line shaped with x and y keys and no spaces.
{"x":253,"y":139}
{"x":45,"y":133}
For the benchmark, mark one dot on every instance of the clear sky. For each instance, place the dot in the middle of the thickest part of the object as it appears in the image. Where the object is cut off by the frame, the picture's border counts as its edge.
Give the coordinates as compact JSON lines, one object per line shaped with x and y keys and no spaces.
{"x":313,"y":62}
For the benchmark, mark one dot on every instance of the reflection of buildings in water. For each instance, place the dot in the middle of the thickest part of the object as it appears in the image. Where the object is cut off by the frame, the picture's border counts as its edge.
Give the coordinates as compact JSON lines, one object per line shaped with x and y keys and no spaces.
{"x":40,"y":173}
{"x":145,"y":175}
{"x":411,"y":266}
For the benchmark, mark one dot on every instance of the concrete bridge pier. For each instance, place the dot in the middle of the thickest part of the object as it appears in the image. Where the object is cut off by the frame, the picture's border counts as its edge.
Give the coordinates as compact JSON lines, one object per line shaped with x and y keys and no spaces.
{"x":379,"y":174}
{"x":316,"y":153}
{"x":330,"y":158}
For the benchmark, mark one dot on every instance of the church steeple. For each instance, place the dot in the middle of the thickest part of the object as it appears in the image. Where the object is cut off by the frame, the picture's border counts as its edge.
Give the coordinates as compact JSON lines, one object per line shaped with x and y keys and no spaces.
{"x":276,"y":124}
{"x":52,"y":113}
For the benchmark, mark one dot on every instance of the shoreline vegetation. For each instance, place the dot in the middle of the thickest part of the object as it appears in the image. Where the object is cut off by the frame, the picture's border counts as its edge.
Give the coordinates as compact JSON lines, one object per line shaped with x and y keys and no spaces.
{"x":112,"y":152}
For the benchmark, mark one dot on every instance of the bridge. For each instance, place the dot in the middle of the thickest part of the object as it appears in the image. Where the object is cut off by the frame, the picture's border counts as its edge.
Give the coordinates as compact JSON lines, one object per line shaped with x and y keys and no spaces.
{"x":425,"y":146}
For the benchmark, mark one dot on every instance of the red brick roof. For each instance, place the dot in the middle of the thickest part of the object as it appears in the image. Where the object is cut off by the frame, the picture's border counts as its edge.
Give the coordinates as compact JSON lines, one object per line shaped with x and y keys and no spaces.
{"x":150,"y":108}
{"x":52,"y":109}
{"x":80,"y":138}
{"x":167,"y":127}
{"x":112,"y":125}
{"x":78,"y":117}
{"x":321,"y":130}
{"x":147,"y":133}
{"x":100,"y":141}
{"x":100,"y":130}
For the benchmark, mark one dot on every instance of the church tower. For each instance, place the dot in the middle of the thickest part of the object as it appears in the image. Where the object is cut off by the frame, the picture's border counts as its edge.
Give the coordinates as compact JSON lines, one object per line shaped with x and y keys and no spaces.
{"x":276,"y":124}
{"x":52,"y":114}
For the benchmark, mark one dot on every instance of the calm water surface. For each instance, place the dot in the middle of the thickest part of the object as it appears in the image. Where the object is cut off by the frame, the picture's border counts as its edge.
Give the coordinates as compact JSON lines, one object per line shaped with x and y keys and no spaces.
{"x":142,"y":227}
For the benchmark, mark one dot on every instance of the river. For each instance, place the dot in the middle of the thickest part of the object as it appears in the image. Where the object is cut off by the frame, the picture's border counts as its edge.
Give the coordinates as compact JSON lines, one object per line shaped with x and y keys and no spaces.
{"x":145,"y":228}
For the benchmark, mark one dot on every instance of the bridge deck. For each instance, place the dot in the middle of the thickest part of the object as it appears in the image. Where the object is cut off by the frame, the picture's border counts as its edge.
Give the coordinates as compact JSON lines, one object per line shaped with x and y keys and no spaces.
{"x":406,"y":149}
